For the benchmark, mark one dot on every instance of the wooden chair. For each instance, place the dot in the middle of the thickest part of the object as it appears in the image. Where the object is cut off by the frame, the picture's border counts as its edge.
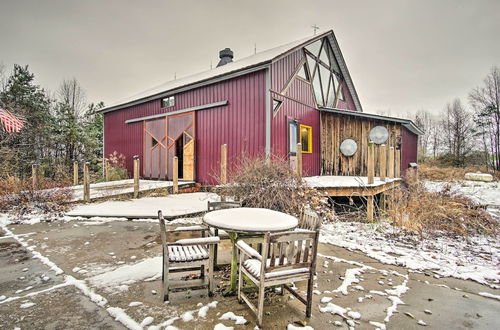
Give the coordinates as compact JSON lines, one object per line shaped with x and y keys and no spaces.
{"x":291,"y":257}
{"x":187,"y":255}
{"x":309,"y":220}
{"x":214,"y":206}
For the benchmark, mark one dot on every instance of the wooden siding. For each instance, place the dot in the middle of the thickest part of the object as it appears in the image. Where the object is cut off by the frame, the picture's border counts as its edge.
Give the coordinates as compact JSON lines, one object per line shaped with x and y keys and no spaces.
{"x":336,"y":128}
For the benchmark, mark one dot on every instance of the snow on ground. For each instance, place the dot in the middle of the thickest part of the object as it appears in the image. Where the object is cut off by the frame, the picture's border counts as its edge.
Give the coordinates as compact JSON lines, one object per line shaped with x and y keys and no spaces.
{"x":171,"y":205}
{"x":121,"y":277}
{"x":480,"y":192}
{"x":475,"y":258}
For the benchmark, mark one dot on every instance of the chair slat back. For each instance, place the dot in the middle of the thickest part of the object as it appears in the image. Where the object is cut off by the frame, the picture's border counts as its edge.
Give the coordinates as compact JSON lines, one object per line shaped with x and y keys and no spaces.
{"x":213,"y":206}
{"x":309,"y":220}
{"x":291,"y":249}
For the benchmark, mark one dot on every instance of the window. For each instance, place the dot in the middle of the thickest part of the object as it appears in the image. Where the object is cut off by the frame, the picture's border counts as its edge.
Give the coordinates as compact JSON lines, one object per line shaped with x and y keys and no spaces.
{"x":303,"y":73}
{"x":324,"y":72}
{"x":292,"y":136}
{"x":153,"y":142}
{"x":276,"y":106}
{"x":168,"y":102}
{"x":306,"y":138}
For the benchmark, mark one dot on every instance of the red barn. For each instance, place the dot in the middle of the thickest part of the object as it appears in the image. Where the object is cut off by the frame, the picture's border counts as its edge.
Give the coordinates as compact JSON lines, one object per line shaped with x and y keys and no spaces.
{"x":260,"y":105}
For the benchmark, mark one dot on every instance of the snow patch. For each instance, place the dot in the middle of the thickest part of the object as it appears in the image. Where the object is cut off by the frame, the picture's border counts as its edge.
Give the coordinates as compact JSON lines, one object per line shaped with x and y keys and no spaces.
{"x":233,"y":317}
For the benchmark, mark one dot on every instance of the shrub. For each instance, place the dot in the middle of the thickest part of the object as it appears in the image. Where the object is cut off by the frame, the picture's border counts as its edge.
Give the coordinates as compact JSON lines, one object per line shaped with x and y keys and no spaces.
{"x":271,"y":184}
{"x":117,"y":169}
{"x":417,"y":210}
{"x":23,"y":203}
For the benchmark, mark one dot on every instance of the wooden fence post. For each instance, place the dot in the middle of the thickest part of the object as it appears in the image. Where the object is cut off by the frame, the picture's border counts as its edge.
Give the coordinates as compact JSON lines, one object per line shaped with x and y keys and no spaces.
{"x":223,"y":164}
{"x":106,"y":169}
{"x":34,"y":175}
{"x":391,"y":163}
{"x":175,"y":173}
{"x":299,"y":159}
{"x":136,"y":175}
{"x":383,"y":162}
{"x":75,"y":173}
{"x":371,"y":163}
{"x":86,"y":182}
{"x":397,"y":173}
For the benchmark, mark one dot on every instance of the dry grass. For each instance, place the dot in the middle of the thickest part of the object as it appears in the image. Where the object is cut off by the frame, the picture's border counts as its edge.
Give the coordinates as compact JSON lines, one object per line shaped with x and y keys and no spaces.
{"x":272,"y":185}
{"x":439,"y":173}
{"x":419,"y":211}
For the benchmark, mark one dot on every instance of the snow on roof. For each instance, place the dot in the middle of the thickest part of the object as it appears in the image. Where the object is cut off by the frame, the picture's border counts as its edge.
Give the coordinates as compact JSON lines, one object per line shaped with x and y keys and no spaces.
{"x":244,"y":63}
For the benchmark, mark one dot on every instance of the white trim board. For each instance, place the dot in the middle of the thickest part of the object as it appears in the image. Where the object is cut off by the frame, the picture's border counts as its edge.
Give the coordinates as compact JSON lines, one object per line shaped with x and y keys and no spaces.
{"x":199,"y":107}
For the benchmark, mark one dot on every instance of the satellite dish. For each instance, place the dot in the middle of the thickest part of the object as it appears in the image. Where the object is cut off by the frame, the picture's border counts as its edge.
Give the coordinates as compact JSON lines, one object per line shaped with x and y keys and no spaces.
{"x":379,"y":134}
{"x":348,"y":147}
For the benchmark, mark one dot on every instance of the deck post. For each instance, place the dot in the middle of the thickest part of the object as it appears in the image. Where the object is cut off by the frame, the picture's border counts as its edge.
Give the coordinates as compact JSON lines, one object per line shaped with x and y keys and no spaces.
{"x":34,"y":175}
{"x":86,"y":182}
{"x":175,"y":170}
{"x":371,"y":162}
{"x":383,"y":162}
{"x":369,"y":208}
{"x":398,"y":163}
{"x":223,"y":164}
{"x":75,"y":173}
{"x":391,"y":163}
{"x":299,"y":159}
{"x":136,"y":176}
{"x":106,"y":169}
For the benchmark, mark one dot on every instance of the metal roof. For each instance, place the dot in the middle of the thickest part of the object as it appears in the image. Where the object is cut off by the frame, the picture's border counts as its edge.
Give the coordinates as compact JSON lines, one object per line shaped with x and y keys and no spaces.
{"x":410,"y":125}
{"x":243,"y":66}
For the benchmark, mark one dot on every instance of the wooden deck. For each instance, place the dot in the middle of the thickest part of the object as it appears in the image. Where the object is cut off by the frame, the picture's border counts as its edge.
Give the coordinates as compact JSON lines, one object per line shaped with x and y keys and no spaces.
{"x":345,"y":186}
{"x":350,"y":186}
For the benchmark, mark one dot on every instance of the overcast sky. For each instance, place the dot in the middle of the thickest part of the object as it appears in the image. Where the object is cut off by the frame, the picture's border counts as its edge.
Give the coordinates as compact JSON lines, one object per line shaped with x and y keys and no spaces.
{"x":402,"y":55}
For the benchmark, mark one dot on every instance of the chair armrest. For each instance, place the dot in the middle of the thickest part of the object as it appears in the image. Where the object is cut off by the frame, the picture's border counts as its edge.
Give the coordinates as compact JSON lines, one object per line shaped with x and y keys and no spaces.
{"x":190,"y":228}
{"x":248,"y":250}
{"x":198,"y":241}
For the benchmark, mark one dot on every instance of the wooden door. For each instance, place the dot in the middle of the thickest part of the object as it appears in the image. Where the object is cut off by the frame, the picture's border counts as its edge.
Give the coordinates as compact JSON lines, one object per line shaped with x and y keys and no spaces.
{"x":188,"y":157}
{"x":155,"y":149}
{"x":181,"y":143}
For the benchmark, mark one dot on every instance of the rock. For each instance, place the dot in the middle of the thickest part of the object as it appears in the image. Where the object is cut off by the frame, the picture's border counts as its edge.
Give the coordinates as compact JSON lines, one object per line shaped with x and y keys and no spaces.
{"x":427,"y":311}
{"x":421,"y":322}
{"x":479,"y":177}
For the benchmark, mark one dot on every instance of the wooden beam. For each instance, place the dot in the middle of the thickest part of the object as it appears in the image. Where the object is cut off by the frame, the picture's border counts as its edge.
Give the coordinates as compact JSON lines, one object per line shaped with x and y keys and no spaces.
{"x":369,"y":208}
{"x":223,"y":164}
{"x":397,"y":173}
{"x":136,"y":176}
{"x":106,"y":169}
{"x":34,"y":175}
{"x":299,"y":159}
{"x":86,"y":182}
{"x":383,"y":162}
{"x":175,"y":172}
{"x":75,"y":173}
{"x":371,"y":162}
{"x":391,"y":163}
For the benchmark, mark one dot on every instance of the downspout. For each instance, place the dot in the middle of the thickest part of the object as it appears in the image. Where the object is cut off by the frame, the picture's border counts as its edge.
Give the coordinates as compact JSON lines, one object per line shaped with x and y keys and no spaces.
{"x":268,"y":113}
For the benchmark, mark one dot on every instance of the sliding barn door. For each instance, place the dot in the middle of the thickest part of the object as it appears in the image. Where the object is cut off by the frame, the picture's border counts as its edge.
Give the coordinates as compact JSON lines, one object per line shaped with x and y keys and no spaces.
{"x":155,"y":149}
{"x":181,"y":143}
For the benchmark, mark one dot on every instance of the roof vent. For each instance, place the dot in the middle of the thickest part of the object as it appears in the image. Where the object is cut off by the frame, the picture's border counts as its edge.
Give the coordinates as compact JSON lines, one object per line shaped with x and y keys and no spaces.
{"x":226,"y":56}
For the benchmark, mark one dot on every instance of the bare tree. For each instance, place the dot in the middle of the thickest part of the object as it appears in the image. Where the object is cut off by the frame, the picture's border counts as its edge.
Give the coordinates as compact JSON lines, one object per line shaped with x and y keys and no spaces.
{"x":486,"y":102}
{"x":424,"y":120}
{"x":458,"y":131}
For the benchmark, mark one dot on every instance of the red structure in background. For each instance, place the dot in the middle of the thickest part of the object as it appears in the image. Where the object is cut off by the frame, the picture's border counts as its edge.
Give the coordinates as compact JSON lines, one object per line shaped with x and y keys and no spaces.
{"x":260,"y":105}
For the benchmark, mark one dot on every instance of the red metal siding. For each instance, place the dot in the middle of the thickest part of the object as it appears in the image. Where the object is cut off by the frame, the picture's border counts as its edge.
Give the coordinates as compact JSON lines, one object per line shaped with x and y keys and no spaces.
{"x":240,"y":124}
{"x":283,"y":69}
{"x":409,"y":148}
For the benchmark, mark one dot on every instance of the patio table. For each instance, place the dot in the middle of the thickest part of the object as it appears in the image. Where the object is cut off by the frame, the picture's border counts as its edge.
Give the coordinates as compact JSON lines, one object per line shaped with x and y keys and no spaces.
{"x":247,"y":221}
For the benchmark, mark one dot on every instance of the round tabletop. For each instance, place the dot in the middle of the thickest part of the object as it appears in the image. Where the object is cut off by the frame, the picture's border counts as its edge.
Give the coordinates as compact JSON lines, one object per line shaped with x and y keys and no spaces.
{"x":250,"y":220}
